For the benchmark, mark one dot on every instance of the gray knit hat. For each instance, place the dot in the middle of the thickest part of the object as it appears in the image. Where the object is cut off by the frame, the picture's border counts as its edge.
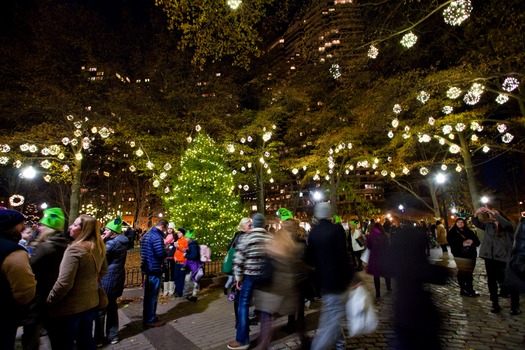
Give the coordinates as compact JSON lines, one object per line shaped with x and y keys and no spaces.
{"x":258,"y":220}
{"x":323,"y":210}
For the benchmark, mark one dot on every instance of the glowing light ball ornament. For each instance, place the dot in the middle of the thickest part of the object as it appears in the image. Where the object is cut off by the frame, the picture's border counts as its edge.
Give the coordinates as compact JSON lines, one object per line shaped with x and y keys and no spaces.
{"x":335,"y":71}
{"x":502,"y":98}
{"x":234,"y":4}
{"x":423,"y":97}
{"x":453,"y":92}
{"x":373,"y":52}
{"x":510,"y":84}
{"x":409,"y":40}
{"x":457,"y":12}
{"x":397,"y":109}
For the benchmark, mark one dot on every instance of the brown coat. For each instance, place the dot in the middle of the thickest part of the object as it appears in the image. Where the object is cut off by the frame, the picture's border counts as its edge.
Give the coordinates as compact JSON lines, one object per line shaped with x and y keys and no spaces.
{"x":76,"y":289}
{"x":441,"y":234}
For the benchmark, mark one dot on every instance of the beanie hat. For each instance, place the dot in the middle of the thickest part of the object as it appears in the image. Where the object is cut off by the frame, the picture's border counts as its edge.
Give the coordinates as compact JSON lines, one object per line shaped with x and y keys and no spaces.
{"x":10,"y":218}
{"x":53,"y":218}
{"x":337,"y":219}
{"x":258,"y":220}
{"x":284,"y":214}
{"x":171,"y":225}
{"x":181,"y":230}
{"x":323,"y":210}
{"x":190,"y":234}
{"x":115,"y":225}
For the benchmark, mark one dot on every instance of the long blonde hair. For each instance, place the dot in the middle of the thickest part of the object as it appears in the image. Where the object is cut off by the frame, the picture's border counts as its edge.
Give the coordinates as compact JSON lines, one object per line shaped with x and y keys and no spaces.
{"x":90,"y":237}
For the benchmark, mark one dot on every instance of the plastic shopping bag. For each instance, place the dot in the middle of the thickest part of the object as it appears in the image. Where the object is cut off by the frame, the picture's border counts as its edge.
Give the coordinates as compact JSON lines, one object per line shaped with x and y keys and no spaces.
{"x":365,"y":255}
{"x":360,"y":313}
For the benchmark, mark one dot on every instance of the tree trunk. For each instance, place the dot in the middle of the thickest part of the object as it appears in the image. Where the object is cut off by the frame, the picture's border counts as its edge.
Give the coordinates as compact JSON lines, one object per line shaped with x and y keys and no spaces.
{"x":74,"y":200}
{"x":469,"y":170}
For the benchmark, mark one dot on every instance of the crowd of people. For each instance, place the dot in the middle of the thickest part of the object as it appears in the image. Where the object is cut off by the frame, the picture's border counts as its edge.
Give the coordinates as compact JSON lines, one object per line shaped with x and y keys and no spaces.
{"x":66,"y":282}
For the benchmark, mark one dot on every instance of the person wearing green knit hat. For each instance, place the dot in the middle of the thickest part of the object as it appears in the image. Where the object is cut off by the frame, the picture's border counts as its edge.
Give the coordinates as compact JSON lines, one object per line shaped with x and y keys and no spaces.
{"x":115,"y":225}
{"x":106,"y":320}
{"x":53,"y":218}
{"x":193,"y":263}
{"x":190,"y":234}
{"x":337,"y":219}
{"x":284,"y":214}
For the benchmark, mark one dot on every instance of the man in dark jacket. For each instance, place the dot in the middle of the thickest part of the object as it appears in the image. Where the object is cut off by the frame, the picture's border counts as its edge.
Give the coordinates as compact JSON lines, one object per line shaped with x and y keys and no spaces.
{"x":327,"y":253}
{"x":17,"y":281}
{"x":152,"y":255}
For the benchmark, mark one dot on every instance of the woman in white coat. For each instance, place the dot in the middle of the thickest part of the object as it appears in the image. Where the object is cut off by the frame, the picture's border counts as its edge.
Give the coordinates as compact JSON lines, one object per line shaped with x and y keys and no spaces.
{"x":356,"y":236}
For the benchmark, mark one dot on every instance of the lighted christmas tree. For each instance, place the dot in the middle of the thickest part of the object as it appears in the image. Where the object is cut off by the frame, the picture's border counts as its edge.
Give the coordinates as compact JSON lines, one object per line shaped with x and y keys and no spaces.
{"x":202,"y":196}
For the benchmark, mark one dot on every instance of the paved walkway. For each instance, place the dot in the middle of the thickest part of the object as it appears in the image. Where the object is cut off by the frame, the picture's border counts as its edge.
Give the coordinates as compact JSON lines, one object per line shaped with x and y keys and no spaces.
{"x":208,"y":324}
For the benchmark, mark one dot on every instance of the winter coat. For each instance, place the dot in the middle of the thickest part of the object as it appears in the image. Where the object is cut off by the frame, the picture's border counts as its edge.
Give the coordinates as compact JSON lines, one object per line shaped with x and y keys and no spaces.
{"x":250,"y":253}
{"x":116,"y":253}
{"x":45,"y":263}
{"x":496,"y":245}
{"x":180,"y":250}
{"x":353,"y":236}
{"x":515,"y":275}
{"x":76,"y":289}
{"x":328,"y":255}
{"x":17,"y":282}
{"x":455,"y":239}
{"x":378,"y":243}
{"x":441,"y":234}
{"x":152,"y":252}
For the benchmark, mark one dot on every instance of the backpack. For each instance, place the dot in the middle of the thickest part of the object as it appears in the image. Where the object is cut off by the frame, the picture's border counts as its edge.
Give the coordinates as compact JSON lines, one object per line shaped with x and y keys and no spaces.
{"x":205,"y":253}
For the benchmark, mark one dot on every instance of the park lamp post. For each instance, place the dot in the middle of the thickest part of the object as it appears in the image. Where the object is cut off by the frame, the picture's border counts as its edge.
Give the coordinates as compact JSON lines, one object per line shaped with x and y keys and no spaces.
{"x":441,"y":179}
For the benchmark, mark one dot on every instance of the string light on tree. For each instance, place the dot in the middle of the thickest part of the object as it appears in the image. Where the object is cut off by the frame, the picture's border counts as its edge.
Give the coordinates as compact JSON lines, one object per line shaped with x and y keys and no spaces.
{"x":409,"y":40}
{"x":234,"y":4}
{"x":397,"y":109}
{"x":457,"y":12}
{"x":447,"y":109}
{"x":453,"y":92}
{"x":335,"y":71}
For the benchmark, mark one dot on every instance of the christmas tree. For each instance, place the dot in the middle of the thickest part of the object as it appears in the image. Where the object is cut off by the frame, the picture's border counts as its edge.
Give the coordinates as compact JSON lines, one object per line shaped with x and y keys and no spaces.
{"x":203,"y":197}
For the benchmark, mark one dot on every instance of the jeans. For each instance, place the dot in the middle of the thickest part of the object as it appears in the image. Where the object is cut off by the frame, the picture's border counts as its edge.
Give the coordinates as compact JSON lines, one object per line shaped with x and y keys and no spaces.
{"x":64,"y":331}
{"x":245,"y":297}
{"x":179,"y":276}
{"x":110,"y":316}
{"x":151,"y":295}
{"x":330,"y":330}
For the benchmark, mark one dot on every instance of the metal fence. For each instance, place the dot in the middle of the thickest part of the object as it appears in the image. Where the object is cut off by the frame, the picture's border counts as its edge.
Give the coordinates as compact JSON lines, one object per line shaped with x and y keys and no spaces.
{"x":134,"y":275}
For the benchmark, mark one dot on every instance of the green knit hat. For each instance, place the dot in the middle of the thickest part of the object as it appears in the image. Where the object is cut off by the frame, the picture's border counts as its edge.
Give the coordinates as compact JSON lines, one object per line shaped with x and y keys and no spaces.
{"x":284,"y":214}
{"x":115,"y":225}
{"x":53,"y":218}
{"x":337,"y":219}
{"x":190,"y":234}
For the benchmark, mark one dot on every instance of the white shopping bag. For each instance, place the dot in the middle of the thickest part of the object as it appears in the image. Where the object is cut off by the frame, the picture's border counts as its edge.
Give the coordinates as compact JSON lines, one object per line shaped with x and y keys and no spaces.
{"x":360,"y":313}
{"x":365,"y":255}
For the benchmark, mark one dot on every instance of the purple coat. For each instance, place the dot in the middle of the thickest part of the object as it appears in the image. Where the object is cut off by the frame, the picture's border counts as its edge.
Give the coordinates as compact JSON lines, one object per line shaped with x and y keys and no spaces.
{"x":377,"y":242}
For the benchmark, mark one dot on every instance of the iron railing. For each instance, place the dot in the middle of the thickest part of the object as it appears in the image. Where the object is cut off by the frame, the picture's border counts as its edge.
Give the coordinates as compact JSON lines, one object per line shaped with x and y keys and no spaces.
{"x":134,"y":275}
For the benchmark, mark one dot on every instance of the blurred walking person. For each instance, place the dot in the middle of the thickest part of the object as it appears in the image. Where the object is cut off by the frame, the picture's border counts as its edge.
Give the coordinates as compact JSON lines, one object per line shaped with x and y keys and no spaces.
{"x":45,"y":262}
{"x":74,"y":296}
{"x":327,"y":253}
{"x":378,"y":243}
{"x":17,"y":281}
{"x":116,"y":253}
{"x":278,"y":295}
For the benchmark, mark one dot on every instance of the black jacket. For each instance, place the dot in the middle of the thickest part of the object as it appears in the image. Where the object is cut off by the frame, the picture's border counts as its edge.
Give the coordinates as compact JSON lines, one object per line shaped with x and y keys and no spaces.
{"x":327,"y":253}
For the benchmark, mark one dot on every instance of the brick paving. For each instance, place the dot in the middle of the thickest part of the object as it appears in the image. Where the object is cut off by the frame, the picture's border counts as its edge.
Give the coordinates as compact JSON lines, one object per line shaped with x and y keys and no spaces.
{"x":208,"y":324}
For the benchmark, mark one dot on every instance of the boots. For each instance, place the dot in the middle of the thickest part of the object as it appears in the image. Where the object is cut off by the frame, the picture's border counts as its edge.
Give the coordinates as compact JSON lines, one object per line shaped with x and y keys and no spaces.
{"x":165,"y":289}
{"x":171,"y":288}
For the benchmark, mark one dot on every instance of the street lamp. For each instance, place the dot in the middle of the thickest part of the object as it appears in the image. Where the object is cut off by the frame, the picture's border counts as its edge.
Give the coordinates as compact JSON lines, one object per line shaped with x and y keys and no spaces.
{"x":441,"y":179}
{"x":484,"y":200}
{"x":317,"y":195}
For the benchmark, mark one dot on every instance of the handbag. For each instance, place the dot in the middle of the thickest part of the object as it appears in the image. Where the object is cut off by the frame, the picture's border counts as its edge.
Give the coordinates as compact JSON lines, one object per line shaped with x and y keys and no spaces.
{"x":227,"y":265}
{"x":360,"y":313}
{"x":102,"y":296}
{"x":360,"y":240}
